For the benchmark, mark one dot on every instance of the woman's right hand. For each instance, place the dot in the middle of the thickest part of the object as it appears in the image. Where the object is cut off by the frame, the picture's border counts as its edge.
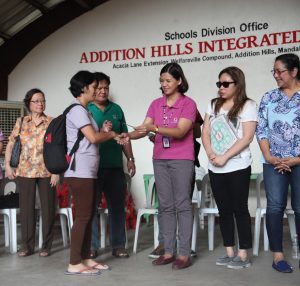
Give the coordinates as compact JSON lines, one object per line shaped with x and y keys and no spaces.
{"x":10,"y":172}
{"x":145,"y":128}
{"x":279,"y":164}
{"x":211,"y":156}
{"x":273,"y":160}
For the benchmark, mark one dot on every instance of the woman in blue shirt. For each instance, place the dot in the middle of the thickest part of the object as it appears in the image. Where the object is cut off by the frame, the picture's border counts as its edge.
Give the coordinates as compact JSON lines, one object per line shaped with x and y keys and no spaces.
{"x":278,"y":135}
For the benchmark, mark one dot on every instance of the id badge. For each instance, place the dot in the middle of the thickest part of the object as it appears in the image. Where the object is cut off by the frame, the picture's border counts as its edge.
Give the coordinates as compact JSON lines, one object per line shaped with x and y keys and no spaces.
{"x":166,"y":142}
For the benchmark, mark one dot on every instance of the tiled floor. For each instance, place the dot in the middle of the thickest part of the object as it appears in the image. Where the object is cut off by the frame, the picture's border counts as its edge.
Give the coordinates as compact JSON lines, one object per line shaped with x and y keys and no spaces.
{"x":137,"y":270}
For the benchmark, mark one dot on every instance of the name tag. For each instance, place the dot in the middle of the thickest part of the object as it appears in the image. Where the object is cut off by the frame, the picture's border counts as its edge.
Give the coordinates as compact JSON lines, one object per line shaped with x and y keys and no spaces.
{"x":166,"y":142}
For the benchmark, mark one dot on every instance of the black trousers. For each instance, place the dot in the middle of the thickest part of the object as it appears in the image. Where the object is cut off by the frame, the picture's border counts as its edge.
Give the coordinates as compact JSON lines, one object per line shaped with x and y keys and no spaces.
{"x":231,"y":191}
{"x":112,"y":182}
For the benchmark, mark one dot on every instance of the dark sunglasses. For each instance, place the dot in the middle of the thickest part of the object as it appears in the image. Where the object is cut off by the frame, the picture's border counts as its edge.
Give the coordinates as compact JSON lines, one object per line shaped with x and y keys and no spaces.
{"x":224,"y":83}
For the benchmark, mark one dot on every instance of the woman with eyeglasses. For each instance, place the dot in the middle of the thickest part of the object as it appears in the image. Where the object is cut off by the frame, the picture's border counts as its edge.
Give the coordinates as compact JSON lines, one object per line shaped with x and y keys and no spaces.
{"x":229,"y":128}
{"x":31,"y":174}
{"x":278,"y":135}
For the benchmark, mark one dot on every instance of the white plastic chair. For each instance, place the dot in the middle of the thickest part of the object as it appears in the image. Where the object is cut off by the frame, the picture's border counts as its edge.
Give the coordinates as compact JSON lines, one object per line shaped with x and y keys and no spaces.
{"x":200,"y":173}
{"x":196,"y":201}
{"x":10,"y":217}
{"x":10,"y":228}
{"x":66,"y":223}
{"x":261,"y":214}
{"x":149,"y":209}
{"x":103,"y":212}
{"x":208,"y":208}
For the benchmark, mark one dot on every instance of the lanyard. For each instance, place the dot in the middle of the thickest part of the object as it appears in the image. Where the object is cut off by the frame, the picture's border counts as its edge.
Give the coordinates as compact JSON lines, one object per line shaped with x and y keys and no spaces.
{"x":165,"y":116}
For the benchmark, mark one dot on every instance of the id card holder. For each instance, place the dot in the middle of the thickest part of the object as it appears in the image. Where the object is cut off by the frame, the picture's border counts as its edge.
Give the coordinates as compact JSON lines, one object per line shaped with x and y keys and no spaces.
{"x":166,"y":142}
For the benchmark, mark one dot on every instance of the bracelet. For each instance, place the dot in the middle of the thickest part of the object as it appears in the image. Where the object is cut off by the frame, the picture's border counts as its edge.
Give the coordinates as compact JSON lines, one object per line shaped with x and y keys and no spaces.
{"x":131,"y":159}
{"x":156,"y":129}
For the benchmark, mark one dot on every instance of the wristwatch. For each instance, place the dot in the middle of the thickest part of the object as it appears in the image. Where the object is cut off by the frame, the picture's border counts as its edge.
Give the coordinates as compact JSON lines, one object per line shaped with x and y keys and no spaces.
{"x":131,"y":159}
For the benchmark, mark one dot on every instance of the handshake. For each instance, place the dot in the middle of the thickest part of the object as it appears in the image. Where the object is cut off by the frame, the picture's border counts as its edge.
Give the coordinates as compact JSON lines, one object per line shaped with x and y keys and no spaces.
{"x":122,"y":138}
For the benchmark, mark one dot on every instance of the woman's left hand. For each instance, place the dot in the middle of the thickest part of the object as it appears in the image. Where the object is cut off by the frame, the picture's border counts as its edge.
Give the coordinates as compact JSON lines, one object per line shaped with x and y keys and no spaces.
{"x":219,"y":160}
{"x":54,"y":180}
{"x":286,"y":164}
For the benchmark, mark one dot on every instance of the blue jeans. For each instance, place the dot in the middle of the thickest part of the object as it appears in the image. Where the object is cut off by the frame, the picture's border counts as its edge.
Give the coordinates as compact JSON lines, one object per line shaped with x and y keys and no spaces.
{"x":112,"y":182}
{"x":277,"y":186}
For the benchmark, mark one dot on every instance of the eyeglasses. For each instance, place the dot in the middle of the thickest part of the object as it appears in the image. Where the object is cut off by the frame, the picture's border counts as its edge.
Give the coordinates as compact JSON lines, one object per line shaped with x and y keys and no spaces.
{"x":224,"y":83}
{"x":278,"y":72}
{"x":38,"y":101}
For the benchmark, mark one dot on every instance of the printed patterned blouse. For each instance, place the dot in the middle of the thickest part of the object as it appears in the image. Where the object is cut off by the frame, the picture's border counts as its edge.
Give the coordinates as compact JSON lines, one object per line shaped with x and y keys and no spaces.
{"x":31,"y":163}
{"x":279,"y":123}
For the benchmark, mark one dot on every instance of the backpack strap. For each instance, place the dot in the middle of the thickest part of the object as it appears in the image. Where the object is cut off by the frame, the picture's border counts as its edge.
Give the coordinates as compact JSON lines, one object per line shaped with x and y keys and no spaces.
{"x":70,"y":107}
{"x":75,"y":148}
{"x":79,"y":137}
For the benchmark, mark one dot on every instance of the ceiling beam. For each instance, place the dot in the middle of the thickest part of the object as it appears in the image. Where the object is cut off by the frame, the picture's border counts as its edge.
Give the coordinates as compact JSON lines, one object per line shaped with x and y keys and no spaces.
{"x":13,"y":50}
{"x":38,"y":6}
{"x":4,"y":36}
{"x":85,"y":4}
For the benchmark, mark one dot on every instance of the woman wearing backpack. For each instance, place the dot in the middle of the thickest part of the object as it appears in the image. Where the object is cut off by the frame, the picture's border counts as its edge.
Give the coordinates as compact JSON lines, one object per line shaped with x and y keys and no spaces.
{"x":82,"y":179}
{"x":31,"y":174}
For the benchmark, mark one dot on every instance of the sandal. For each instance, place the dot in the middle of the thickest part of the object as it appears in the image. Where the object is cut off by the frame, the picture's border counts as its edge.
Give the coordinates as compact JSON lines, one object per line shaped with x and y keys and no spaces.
{"x":120,"y":253}
{"x":44,"y":253}
{"x":101,"y":267}
{"x":25,"y":252}
{"x":84,"y":271}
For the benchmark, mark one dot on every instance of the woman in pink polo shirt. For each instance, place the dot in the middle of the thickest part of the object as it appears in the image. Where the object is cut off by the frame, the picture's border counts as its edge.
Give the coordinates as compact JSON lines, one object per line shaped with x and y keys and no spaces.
{"x":172,"y":117}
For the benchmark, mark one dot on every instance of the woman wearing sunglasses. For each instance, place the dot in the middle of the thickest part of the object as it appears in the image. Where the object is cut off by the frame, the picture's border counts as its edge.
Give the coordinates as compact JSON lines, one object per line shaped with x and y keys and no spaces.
{"x":278,"y":133}
{"x":229,"y":127}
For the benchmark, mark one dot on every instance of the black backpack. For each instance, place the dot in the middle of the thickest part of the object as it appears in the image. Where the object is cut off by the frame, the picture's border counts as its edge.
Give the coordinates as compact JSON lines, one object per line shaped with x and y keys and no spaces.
{"x":56,"y":158}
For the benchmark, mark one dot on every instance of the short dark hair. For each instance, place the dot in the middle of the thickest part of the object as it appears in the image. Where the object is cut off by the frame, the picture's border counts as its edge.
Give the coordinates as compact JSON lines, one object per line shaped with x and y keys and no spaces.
{"x":102,"y":76}
{"x":79,"y":81}
{"x":29,"y":94}
{"x":290,"y":61}
{"x":176,"y":71}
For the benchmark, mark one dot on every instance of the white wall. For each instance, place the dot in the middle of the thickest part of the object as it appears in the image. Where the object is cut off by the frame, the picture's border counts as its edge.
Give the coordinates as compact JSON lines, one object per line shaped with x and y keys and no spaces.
{"x":142,"y":24}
